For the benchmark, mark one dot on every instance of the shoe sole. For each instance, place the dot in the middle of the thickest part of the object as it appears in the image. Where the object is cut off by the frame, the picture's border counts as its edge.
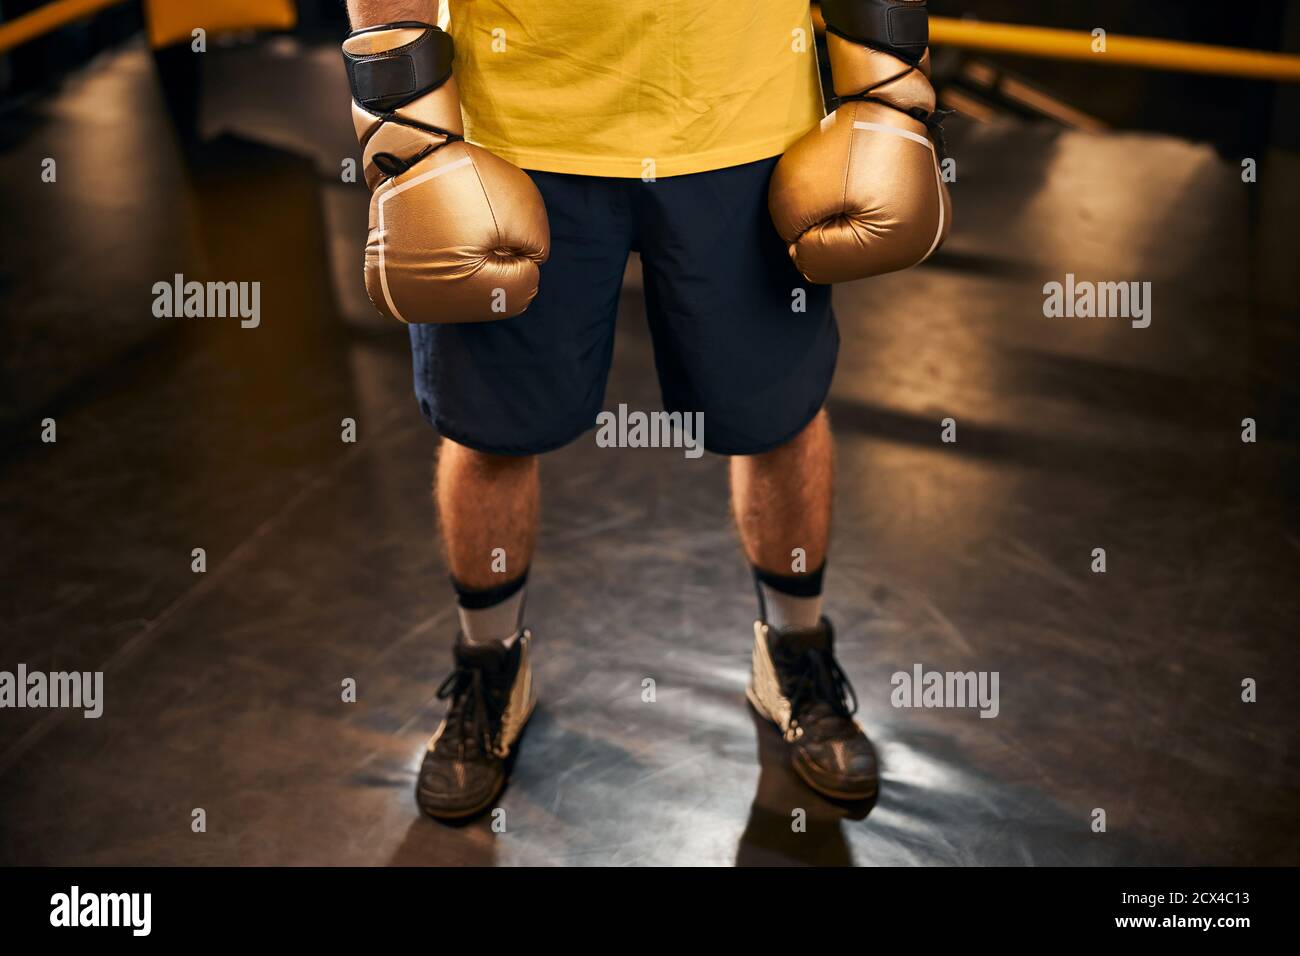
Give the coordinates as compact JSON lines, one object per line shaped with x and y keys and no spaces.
{"x":449,"y":815}
{"x":452,"y":815}
{"x":797,"y":765}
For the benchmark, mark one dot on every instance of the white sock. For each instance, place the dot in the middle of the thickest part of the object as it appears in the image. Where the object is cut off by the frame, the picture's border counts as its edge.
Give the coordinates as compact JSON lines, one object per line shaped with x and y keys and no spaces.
{"x":501,"y":622}
{"x":781,"y":610}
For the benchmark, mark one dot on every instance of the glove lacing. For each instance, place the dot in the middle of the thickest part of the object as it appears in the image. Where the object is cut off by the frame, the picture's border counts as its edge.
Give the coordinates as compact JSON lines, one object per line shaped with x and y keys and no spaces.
{"x":392,"y":165}
{"x":931,"y":119}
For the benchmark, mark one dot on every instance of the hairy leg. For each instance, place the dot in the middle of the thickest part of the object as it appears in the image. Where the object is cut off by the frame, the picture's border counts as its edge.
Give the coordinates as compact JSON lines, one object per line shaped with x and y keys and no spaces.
{"x":781,"y":500}
{"x":486,"y":502}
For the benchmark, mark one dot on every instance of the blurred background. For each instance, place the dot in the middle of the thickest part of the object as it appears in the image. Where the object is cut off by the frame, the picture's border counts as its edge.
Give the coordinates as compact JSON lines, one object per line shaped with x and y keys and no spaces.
{"x":1119,"y":691}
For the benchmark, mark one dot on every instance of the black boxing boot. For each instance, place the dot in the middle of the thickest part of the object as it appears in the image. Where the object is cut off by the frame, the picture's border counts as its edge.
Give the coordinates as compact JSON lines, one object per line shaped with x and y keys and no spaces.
{"x":797,"y":684}
{"x":472,"y":751}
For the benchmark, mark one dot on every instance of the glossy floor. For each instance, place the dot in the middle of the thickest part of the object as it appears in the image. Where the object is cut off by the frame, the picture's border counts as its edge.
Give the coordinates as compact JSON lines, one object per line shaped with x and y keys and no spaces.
{"x":1118,"y":691}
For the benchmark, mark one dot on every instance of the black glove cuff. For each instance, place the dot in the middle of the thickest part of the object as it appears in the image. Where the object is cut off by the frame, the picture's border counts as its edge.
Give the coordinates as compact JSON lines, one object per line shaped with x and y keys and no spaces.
{"x":383,"y":82}
{"x":899,"y":27}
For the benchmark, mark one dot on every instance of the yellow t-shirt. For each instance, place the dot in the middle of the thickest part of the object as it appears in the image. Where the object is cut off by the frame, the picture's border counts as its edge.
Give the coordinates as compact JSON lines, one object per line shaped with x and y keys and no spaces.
{"x":634,"y":87}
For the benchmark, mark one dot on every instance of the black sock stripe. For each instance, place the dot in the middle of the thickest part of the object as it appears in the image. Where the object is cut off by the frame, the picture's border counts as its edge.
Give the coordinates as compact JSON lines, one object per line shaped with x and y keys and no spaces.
{"x":796,"y":585}
{"x":478,"y":599}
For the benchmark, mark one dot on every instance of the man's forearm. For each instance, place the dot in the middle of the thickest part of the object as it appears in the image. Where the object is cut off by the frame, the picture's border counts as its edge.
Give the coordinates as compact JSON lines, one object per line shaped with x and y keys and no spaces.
{"x":369,"y":13}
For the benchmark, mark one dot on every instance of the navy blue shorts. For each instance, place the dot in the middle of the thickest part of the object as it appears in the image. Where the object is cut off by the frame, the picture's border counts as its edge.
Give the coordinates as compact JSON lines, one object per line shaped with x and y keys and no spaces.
{"x":722,"y":299}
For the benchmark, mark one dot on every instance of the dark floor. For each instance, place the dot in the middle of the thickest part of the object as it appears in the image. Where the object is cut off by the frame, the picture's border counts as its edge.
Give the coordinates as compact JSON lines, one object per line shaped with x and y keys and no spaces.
{"x":1118,"y":691}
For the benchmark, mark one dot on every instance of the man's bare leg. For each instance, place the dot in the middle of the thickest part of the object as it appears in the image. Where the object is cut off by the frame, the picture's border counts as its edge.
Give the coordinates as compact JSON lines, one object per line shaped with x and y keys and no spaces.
{"x":781,"y":500}
{"x":782,"y":503}
{"x":487,"y":506}
{"x":488,"y":512}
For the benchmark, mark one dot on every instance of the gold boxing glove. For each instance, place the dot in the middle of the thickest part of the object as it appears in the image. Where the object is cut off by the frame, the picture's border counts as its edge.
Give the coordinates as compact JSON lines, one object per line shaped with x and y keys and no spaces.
{"x":456,"y":233}
{"x":862,"y":194}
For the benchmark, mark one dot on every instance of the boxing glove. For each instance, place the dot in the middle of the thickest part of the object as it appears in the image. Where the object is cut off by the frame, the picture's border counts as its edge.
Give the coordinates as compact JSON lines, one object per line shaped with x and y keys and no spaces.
{"x":862,"y":194}
{"x":456,"y":233}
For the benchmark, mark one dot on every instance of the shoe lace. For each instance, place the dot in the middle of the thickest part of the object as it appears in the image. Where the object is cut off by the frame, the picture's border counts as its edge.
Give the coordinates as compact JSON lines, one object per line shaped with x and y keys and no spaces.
{"x":821,"y":695}
{"x":475,"y":712}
